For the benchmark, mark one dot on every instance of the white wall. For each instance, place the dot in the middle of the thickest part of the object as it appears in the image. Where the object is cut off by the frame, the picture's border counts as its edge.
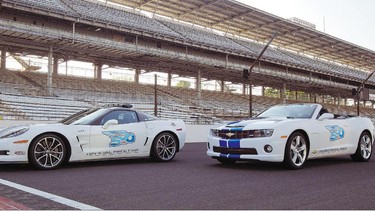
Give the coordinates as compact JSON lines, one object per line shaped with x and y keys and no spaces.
{"x":198,"y":133}
{"x":194,"y":133}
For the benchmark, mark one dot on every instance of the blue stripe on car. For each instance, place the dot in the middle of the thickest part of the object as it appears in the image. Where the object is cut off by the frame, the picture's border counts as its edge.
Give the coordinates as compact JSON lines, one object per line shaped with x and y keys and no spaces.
{"x":234,"y":156}
{"x":232,"y":123}
{"x":235,"y":129}
{"x":234,"y":143}
{"x":223,"y":143}
{"x":231,"y":156}
{"x":224,"y":155}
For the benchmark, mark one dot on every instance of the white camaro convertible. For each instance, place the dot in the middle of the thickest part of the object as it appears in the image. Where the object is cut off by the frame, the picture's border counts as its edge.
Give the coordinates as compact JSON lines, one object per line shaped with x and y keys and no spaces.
{"x":292,"y":134}
{"x":93,"y":134}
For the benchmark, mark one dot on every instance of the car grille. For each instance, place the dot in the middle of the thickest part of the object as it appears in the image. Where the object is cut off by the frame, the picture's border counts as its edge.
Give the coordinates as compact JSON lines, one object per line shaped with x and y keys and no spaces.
{"x":240,"y":151}
{"x":226,"y":134}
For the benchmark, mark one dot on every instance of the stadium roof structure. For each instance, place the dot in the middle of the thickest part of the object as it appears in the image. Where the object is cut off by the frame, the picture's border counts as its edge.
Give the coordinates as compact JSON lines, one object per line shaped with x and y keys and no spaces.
{"x":235,"y":18}
{"x":23,"y":38}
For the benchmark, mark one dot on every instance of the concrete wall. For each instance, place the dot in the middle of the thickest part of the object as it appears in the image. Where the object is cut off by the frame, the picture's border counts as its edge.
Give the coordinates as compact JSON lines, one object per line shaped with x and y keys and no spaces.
{"x":195,"y":133}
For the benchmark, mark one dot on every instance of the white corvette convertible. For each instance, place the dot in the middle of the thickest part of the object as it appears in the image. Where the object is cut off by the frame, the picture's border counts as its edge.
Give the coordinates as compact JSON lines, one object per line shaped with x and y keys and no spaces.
{"x":292,"y":134}
{"x":93,"y":134}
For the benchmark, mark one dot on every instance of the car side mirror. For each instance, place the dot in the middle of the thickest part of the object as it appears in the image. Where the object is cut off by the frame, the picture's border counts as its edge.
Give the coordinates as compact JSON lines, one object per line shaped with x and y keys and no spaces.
{"x":326,"y":116}
{"x":109,"y":123}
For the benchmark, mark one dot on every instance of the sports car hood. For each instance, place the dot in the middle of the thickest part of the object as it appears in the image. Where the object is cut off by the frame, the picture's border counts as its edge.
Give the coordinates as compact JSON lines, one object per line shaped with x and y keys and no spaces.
{"x":45,"y":124}
{"x":259,"y":123}
{"x":29,"y":125}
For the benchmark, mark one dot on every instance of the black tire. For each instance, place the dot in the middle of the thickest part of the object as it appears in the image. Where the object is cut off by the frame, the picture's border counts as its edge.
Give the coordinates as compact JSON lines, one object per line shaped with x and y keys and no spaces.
{"x":296,"y":151}
{"x":226,"y":161}
{"x":47,"y":152}
{"x":164,"y":147}
{"x":364,"y":148}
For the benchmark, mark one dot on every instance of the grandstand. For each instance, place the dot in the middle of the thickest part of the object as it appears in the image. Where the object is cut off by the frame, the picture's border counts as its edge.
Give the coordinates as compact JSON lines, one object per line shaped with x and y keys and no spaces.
{"x":174,"y":40}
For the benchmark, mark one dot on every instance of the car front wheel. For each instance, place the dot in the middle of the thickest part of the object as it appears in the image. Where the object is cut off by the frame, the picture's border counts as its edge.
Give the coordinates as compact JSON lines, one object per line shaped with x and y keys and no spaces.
{"x":295,"y":151}
{"x":164,"y":147}
{"x":47,"y":152}
{"x":364,"y":148}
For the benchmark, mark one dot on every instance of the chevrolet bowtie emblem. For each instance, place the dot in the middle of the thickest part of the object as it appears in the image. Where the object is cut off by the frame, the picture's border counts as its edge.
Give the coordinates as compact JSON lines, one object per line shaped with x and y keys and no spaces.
{"x":229,"y":134}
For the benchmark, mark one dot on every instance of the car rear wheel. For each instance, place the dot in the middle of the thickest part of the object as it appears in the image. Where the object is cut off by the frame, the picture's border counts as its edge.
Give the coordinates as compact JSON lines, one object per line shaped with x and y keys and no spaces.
{"x":295,"y":151}
{"x":47,"y":152}
{"x":364,"y":148}
{"x":164,"y":147}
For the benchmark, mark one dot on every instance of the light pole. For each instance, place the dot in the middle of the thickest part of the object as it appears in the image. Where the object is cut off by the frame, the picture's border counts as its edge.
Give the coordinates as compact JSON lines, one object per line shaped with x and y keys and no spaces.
{"x":250,"y":77}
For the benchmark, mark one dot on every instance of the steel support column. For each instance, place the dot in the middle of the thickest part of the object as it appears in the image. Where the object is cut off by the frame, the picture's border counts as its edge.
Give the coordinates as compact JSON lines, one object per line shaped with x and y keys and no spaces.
{"x":98,"y":70}
{"x":50,"y":71}
{"x":169,"y":82}
{"x":3,"y":59}
{"x":55,"y":65}
{"x":136,"y":75}
{"x":199,"y":84}
{"x":284,"y":93}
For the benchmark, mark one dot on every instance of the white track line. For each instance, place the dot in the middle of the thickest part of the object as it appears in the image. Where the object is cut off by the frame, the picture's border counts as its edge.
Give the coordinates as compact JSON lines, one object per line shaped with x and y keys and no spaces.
{"x":49,"y":196}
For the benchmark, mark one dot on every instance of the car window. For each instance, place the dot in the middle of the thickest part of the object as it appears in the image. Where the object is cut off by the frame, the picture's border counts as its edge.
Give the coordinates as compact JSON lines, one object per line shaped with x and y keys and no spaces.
{"x":322,"y":111}
{"x":122,"y":116}
{"x":148,"y":117}
{"x":86,"y":117}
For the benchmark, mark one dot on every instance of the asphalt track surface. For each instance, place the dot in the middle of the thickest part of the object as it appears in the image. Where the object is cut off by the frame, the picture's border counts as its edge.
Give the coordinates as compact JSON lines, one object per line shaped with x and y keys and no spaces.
{"x":194,"y":181}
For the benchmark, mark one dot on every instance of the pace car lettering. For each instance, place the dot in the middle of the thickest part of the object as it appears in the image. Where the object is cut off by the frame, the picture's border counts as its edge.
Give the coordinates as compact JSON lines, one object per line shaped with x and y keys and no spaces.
{"x":337,"y":132}
{"x":327,"y":151}
{"x":119,"y":137}
{"x":110,"y":153}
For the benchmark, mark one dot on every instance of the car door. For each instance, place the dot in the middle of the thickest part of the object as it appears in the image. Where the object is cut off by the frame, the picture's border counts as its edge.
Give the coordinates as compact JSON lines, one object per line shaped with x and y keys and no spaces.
{"x":123,"y":135}
{"x":329,"y":137}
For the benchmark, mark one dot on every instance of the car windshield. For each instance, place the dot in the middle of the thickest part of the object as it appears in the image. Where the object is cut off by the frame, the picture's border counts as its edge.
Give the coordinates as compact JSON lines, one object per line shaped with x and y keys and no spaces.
{"x":84,"y":117}
{"x":290,"y":111}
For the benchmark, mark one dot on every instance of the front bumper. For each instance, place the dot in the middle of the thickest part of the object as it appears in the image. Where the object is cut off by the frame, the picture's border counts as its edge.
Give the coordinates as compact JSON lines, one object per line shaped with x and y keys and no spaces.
{"x":247,"y":149}
{"x":13,"y":153}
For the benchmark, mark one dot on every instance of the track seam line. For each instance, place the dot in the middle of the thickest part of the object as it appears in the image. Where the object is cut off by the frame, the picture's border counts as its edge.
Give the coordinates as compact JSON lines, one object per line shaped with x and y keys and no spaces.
{"x":52,"y":197}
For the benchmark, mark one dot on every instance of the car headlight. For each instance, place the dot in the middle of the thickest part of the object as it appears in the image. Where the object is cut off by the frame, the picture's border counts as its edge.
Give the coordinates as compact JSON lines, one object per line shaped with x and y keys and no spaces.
{"x":13,"y":131}
{"x":215,"y":132}
{"x":260,"y":133}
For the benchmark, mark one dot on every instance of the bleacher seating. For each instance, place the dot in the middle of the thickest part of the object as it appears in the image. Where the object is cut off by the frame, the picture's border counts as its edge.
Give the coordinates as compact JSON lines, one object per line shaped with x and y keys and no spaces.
{"x":56,"y":6}
{"x":119,"y":17}
{"x":39,"y":107}
{"x":72,"y":94}
{"x":204,"y":37}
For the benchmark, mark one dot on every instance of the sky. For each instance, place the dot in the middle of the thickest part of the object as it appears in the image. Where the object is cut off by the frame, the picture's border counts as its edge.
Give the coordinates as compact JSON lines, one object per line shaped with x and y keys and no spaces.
{"x":349,"y":20}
